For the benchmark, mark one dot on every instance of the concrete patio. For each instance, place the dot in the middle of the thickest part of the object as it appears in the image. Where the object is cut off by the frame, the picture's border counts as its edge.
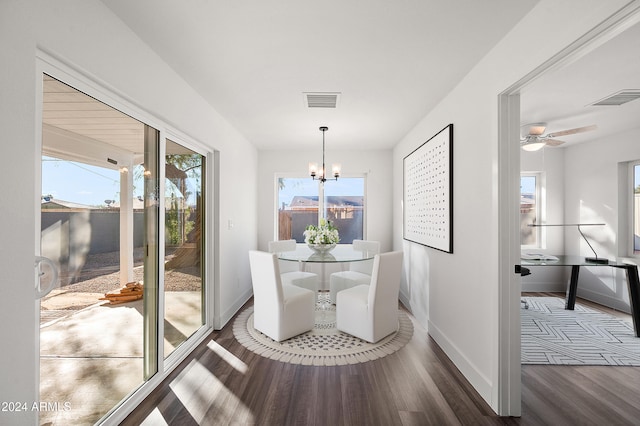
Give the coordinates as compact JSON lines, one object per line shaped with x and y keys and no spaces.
{"x":92,"y":358}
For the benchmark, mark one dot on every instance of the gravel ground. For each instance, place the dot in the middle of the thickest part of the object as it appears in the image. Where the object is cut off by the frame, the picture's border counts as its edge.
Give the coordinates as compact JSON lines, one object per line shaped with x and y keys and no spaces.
{"x":100,"y":274}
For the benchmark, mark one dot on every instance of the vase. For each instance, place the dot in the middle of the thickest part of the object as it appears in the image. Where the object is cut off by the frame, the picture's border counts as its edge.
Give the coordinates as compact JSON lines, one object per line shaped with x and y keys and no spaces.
{"x":321,"y":248}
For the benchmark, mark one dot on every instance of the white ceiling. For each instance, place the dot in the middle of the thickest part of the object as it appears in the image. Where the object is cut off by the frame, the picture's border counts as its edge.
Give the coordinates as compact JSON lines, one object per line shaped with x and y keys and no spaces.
{"x":564,"y":98}
{"x":252,"y":60}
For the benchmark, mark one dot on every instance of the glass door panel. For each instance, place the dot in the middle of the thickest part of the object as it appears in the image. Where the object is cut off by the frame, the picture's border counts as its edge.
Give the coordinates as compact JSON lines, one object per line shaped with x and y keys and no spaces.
{"x":99,"y":224}
{"x":184,"y":250}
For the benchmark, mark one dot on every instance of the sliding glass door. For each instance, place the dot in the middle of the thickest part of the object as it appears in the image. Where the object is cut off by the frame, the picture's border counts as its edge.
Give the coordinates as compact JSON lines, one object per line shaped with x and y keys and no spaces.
{"x":183,"y":240}
{"x":121,"y":218}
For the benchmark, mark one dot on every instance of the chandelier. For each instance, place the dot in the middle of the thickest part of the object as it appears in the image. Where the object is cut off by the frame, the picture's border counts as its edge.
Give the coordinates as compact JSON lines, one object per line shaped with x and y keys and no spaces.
{"x":320,"y":174}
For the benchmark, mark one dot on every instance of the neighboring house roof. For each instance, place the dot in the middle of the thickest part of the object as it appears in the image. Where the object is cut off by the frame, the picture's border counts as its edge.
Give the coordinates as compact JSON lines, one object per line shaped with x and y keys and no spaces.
{"x":62,"y":204}
{"x":53,"y":204}
{"x":527,"y":199}
{"x":345,"y":200}
{"x":304,"y":201}
{"x":138,"y":204}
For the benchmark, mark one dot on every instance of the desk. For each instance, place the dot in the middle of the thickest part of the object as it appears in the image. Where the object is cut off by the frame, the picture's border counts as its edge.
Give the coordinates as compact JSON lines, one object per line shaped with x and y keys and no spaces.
{"x":633,"y":283}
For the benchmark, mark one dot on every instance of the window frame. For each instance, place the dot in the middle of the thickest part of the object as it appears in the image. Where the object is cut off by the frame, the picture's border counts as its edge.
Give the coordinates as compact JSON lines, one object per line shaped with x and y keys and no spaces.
{"x":292,"y":175}
{"x":631,"y":197}
{"x":540,"y":210}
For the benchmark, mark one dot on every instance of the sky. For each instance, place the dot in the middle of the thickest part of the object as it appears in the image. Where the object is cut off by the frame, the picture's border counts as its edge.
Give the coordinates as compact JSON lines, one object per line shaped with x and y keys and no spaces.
{"x":308,"y":186}
{"x":91,"y":185}
{"x":78,"y":182}
{"x":527,"y":185}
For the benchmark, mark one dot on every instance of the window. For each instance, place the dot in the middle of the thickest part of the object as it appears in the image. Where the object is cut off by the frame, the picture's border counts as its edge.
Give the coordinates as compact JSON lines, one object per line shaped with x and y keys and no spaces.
{"x":530,"y":209}
{"x":635,"y":206}
{"x":300,"y":200}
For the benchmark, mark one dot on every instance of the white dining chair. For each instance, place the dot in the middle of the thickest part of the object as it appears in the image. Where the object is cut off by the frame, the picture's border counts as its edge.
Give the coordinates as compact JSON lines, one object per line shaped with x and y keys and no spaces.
{"x":370,"y":312}
{"x":358,"y":273}
{"x":280,"y":311}
{"x":291,"y":272}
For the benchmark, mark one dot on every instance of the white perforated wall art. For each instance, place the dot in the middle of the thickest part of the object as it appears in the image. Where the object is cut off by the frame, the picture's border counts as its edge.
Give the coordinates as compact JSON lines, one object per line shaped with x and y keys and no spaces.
{"x":428,"y":190}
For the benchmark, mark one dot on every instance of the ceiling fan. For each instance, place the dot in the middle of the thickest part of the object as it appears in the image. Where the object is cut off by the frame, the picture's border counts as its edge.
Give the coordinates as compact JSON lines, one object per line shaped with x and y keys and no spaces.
{"x":535,"y":137}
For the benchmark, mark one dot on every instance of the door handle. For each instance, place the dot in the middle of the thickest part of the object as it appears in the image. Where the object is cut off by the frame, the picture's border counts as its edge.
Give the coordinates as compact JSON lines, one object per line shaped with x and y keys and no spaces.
{"x":42,"y":291}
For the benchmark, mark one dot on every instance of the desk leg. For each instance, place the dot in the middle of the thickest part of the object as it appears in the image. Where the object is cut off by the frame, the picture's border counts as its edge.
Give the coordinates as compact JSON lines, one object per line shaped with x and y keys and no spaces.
{"x":634,"y":295}
{"x":573,"y":288}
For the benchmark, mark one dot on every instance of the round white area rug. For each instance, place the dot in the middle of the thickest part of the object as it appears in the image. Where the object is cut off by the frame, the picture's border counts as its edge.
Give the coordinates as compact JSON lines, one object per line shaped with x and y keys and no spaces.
{"x":324,"y":345}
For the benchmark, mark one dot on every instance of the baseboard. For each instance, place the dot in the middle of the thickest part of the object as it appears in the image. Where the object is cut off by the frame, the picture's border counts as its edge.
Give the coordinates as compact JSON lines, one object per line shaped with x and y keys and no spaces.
{"x":602,"y":299}
{"x":226,"y":316}
{"x":403,"y":299}
{"x":481,"y":383}
{"x":543,"y":287}
{"x":418,"y":314}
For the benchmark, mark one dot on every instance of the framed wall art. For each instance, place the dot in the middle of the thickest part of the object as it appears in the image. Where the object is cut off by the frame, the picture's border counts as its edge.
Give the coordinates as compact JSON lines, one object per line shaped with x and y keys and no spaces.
{"x":428,"y":192}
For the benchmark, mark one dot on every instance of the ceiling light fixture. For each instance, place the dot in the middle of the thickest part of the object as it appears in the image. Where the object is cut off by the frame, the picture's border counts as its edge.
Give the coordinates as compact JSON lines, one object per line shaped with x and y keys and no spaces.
{"x":320,"y":174}
{"x":532,"y":143}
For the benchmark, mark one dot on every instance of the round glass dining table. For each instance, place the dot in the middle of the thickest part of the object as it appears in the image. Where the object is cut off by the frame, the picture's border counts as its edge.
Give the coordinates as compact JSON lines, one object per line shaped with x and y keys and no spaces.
{"x":341,"y":253}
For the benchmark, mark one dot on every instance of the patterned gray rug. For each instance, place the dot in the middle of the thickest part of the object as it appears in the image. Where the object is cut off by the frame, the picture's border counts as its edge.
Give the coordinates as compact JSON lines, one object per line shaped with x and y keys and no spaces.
{"x":324,"y":345}
{"x":553,"y":335}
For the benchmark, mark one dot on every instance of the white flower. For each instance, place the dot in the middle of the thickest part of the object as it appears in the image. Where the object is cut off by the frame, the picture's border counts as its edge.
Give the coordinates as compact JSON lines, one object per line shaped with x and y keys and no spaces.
{"x":323,"y":234}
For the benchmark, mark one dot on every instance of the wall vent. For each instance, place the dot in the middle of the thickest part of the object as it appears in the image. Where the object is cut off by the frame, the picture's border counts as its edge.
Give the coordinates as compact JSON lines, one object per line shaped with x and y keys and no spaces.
{"x":321,"y":99}
{"x":619,"y":98}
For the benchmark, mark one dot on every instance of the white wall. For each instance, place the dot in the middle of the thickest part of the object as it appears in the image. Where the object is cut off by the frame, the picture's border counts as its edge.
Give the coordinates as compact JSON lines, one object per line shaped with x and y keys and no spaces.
{"x":86,"y":37}
{"x":457,"y":294}
{"x":591,"y":187}
{"x":550,"y":163}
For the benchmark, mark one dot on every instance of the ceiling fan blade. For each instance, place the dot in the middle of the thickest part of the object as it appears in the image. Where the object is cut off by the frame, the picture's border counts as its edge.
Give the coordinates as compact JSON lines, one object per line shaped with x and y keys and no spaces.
{"x":553,"y":142}
{"x":572,"y":131}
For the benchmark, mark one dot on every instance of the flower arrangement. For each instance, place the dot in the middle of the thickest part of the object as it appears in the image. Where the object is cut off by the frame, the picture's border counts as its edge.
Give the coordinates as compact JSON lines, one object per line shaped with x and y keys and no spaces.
{"x":325,"y":233}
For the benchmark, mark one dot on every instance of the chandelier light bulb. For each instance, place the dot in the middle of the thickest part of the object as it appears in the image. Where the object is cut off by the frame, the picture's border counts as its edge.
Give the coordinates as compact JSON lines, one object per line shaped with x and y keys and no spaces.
{"x":313,"y":169}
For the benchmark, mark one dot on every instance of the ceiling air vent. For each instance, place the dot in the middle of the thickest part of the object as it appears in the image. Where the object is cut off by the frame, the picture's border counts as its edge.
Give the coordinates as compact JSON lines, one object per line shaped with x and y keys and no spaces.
{"x":321,"y":99}
{"x":619,"y":98}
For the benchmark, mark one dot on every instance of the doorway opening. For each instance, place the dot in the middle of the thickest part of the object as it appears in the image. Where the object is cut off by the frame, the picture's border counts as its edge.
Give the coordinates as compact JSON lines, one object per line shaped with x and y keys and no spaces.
{"x":510,"y":125}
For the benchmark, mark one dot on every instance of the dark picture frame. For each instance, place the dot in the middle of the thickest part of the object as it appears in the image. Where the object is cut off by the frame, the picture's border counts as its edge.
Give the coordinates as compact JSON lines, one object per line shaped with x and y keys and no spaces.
{"x":427,"y":199}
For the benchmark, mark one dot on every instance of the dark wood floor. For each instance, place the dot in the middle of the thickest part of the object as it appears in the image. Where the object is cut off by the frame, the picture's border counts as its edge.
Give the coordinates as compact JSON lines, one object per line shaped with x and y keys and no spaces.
{"x":223,"y":383}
